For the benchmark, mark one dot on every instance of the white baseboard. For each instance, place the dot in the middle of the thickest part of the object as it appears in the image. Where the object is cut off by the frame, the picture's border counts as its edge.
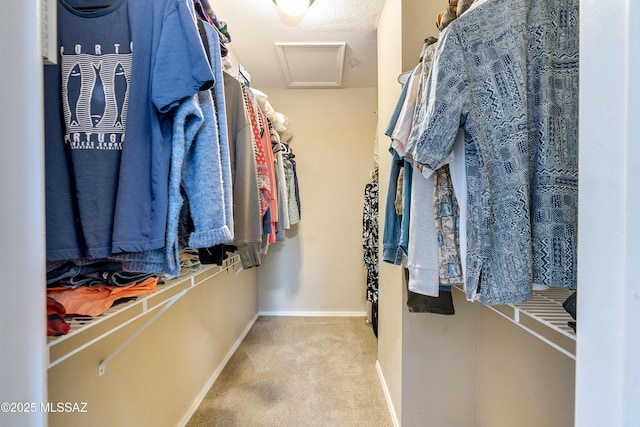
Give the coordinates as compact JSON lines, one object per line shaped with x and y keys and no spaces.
{"x":314,"y":313}
{"x":387,"y":396}
{"x":215,"y":375}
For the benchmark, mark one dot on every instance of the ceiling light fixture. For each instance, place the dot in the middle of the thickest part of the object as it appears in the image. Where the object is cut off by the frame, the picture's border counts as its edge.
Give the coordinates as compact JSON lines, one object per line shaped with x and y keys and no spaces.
{"x":293,"y":7}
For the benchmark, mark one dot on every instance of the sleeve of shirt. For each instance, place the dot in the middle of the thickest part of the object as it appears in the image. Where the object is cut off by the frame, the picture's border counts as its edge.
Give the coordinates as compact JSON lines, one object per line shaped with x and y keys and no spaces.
{"x":444,"y":105}
{"x":401,"y":132}
{"x":396,"y":112}
{"x":202,"y":180}
{"x":181,"y":66}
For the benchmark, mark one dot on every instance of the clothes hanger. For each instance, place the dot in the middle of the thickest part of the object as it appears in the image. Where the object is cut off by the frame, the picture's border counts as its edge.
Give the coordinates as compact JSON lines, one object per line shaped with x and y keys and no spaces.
{"x":403,"y":77}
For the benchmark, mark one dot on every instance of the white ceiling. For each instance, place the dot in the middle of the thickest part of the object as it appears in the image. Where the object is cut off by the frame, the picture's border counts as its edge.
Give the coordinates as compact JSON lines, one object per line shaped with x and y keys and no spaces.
{"x":256,"y":26}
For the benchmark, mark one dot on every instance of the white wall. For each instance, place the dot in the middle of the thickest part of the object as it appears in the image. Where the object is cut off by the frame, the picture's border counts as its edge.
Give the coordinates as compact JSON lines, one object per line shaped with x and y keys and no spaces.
{"x":318,"y":268}
{"x":391,"y":300}
{"x":402,"y":28}
{"x":522,"y":381}
{"x":22,"y":304}
{"x":608,"y":366}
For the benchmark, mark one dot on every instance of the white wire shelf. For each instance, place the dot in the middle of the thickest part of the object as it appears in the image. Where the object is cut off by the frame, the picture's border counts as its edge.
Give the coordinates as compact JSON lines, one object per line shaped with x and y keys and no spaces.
{"x":87,"y":330}
{"x":544,"y":317}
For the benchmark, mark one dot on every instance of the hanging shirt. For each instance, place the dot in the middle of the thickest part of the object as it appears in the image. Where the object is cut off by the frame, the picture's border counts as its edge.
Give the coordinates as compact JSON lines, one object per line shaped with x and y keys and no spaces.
{"x":422,"y":260}
{"x":196,"y":170}
{"x":120,"y":71}
{"x":247,"y":217}
{"x":447,"y":215}
{"x":445,"y":208}
{"x":370,"y":239}
{"x":508,"y":73}
{"x":392,"y":230}
{"x":219,"y":99}
{"x":293,"y":194}
{"x":402,"y":128}
{"x":458,"y":176}
{"x":281,"y":184}
{"x":265,"y":138}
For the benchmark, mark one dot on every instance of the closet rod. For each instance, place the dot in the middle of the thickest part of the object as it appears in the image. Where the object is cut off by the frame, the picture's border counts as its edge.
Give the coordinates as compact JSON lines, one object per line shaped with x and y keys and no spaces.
{"x":103,"y":365}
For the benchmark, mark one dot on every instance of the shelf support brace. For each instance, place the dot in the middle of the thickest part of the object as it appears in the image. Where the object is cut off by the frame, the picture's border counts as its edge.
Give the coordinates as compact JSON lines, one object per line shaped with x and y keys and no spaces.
{"x":103,"y":364}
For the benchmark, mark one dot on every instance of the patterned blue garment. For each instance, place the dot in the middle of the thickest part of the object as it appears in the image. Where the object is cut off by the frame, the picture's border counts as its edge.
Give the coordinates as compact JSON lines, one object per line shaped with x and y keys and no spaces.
{"x":446,"y":213}
{"x":507,"y":72}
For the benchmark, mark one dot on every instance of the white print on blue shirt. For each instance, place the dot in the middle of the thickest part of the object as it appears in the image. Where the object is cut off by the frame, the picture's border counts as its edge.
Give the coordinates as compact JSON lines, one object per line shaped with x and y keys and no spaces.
{"x":95,"y":96}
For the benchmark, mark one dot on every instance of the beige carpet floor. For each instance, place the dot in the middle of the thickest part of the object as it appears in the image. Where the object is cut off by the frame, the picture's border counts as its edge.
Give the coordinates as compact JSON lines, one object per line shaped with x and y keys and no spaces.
{"x":299,"y":372}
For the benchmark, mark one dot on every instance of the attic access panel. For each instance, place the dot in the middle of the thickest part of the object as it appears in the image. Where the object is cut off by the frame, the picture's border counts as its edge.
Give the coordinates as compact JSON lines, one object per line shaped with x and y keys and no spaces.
{"x":312,"y":64}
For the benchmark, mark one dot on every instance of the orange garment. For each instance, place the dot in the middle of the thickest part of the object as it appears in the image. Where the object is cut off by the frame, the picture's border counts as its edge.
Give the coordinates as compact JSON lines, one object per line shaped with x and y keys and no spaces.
{"x":264,"y":184}
{"x":95,"y":300}
{"x":273,"y":201}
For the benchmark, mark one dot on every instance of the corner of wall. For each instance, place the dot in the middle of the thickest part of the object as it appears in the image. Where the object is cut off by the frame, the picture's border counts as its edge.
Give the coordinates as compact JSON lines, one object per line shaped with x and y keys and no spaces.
{"x":390,"y":307}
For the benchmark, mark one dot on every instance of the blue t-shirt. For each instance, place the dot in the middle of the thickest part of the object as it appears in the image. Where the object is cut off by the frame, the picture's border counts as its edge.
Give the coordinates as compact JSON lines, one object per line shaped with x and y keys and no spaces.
{"x":108,"y":102}
{"x":392,"y":231}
